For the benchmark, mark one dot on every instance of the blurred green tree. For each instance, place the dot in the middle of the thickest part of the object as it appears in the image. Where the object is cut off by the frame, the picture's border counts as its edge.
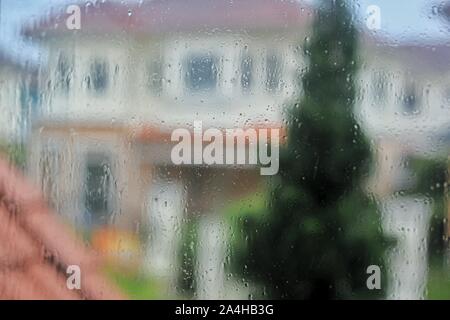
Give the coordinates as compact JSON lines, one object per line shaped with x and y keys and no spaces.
{"x":14,"y":153}
{"x":321,"y":231}
{"x":430,"y":175}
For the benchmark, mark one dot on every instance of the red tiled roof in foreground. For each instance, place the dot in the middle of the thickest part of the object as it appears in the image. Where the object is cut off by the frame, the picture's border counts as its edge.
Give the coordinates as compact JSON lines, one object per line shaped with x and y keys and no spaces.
{"x":36,"y":248}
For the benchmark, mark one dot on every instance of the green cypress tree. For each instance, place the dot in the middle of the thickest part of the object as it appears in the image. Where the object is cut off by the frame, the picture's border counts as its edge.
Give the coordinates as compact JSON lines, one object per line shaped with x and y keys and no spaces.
{"x":321,"y":231}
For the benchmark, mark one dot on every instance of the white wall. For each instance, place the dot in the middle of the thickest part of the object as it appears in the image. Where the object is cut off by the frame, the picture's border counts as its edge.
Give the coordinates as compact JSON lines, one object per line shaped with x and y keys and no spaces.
{"x":388,"y":117}
{"x":129,"y":98}
{"x":10,"y":107}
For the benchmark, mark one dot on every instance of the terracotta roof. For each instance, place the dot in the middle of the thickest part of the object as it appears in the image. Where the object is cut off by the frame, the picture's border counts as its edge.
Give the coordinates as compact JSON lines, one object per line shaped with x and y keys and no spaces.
{"x":36,"y":248}
{"x":159,"y":16}
{"x":153,"y":134}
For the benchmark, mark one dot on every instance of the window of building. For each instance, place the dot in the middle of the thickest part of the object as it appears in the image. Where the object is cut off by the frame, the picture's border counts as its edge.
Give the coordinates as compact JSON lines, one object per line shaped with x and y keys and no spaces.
{"x":246,"y":73}
{"x":201,"y":73}
{"x":99,"y":76}
{"x":155,"y":77}
{"x":63,"y":73}
{"x":410,"y":98}
{"x":98,"y":189}
{"x":273,"y":72}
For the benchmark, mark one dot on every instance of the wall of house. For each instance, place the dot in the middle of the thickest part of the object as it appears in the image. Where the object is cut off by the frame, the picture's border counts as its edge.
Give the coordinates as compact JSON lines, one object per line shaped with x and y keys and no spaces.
{"x":150,"y":79}
{"x":79,"y":93}
{"x":59,"y":161}
{"x":233,"y":99}
{"x":400,"y":98}
{"x":10,"y":104}
{"x":402,"y":108}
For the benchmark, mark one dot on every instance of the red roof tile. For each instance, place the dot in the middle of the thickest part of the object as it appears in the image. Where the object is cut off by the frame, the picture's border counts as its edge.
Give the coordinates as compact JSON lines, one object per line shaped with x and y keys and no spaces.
{"x":36,"y":248}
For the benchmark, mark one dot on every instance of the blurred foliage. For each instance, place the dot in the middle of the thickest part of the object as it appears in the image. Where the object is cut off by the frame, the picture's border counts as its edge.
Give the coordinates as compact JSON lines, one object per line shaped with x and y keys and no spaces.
{"x":253,"y":204}
{"x":188,"y":258}
{"x":134,"y":285}
{"x":320,"y":230}
{"x":438,"y":287}
{"x":14,"y":153}
{"x":430,"y":177}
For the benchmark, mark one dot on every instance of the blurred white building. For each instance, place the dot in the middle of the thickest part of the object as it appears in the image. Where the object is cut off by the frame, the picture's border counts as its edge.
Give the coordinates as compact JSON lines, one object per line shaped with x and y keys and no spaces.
{"x":115,"y":89}
{"x":405,"y":110}
{"x":404,"y":106}
{"x":17,"y":99}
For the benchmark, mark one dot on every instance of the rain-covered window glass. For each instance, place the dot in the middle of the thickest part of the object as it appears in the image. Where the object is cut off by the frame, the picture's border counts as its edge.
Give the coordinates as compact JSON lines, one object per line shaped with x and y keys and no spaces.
{"x":273,"y":72}
{"x":379,"y":86}
{"x":63,"y":72}
{"x":99,"y":75}
{"x":155,"y":77}
{"x":246,"y":73}
{"x":410,"y":98}
{"x":49,"y":167}
{"x":225,"y":149}
{"x":97,"y":187}
{"x":201,"y":72}
{"x":446,"y":95}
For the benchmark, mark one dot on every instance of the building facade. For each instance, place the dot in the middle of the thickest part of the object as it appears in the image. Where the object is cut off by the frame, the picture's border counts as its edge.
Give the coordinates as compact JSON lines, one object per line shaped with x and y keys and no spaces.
{"x":116,"y":89}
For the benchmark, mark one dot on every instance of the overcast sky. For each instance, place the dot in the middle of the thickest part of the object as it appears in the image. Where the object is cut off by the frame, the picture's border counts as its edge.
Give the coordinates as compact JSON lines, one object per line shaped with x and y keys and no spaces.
{"x":404,"y":20}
